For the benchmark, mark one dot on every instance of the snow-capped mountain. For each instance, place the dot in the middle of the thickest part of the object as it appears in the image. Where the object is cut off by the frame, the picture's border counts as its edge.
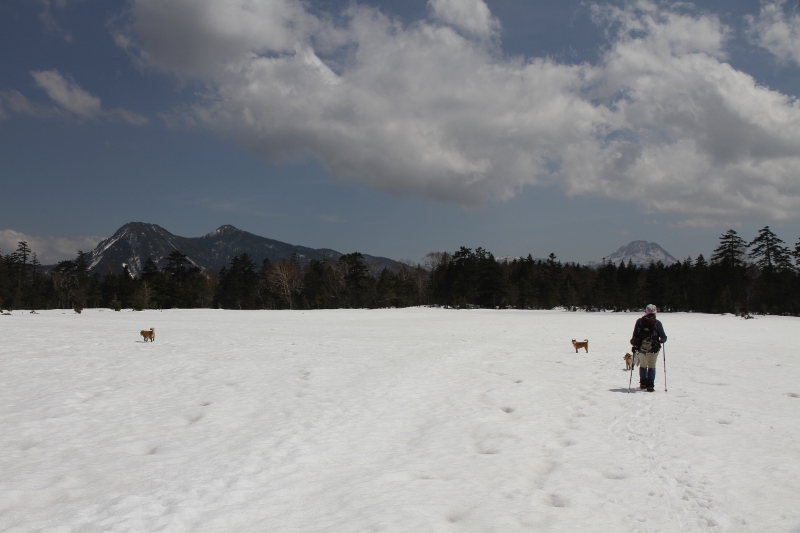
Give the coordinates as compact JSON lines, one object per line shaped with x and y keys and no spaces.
{"x":640,"y":253}
{"x":135,"y":242}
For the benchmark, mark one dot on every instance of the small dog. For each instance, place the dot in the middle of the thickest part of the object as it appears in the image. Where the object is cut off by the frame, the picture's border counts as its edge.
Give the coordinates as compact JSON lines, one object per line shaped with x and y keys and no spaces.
{"x":581,"y":344}
{"x":628,"y":361}
{"x":151,"y":334}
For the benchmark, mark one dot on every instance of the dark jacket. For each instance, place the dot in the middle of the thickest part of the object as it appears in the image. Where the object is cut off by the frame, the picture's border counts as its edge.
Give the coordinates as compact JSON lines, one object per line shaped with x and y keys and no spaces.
{"x":641,"y":324}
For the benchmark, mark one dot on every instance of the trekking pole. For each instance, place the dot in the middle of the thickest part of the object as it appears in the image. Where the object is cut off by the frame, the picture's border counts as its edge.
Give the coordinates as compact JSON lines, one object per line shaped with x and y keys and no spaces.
{"x":633,"y":358}
{"x":664,"y":347}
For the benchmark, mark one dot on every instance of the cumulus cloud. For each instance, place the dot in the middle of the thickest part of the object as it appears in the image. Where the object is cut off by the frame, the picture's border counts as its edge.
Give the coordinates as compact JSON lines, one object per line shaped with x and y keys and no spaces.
{"x":199,"y":38}
{"x":777,"y":30}
{"x":49,"y":250}
{"x":435,"y":109}
{"x":470,"y":16}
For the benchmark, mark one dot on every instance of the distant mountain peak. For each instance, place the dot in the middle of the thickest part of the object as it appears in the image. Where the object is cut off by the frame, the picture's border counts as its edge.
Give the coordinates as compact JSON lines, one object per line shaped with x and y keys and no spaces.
{"x":225,"y":229}
{"x":640,"y":253}
{"x":140,"y":226}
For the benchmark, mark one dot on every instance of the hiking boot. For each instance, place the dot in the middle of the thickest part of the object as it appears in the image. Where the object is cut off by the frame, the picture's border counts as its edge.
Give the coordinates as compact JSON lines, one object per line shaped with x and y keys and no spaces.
{"x":642,"y":385}
{"x":650,"y":389}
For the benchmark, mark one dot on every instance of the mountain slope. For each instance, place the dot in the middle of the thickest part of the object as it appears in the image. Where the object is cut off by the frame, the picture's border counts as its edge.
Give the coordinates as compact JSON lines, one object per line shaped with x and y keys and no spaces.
{"x":135,"y":242}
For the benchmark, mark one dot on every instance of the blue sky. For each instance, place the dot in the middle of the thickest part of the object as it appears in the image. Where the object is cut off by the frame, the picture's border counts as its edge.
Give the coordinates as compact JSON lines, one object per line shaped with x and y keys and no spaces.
{"x":400,"y":128}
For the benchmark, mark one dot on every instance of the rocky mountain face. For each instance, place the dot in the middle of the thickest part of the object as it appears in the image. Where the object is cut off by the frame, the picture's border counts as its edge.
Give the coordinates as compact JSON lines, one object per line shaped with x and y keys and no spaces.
{"x":134,"y":243}
{"x":641,"y":253}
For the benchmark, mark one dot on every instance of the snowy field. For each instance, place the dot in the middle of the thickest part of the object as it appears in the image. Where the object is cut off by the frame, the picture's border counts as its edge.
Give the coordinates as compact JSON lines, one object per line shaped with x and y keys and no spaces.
{"x":412,"y":420}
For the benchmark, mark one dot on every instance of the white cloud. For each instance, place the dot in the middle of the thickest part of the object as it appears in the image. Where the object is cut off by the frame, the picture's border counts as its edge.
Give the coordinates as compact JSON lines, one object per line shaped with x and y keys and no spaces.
{"x":776,"y":30}
{"x":49,"y":20}
{"x":422,"y":109}
{"x":16,"y":102}
{"x":470,"y":16}
{"x":66,"y":93}
{"x":49,"y":250}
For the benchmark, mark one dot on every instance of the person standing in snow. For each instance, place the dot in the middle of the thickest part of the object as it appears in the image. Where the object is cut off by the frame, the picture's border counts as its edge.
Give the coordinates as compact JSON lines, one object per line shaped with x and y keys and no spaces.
{"x":648,"y":336}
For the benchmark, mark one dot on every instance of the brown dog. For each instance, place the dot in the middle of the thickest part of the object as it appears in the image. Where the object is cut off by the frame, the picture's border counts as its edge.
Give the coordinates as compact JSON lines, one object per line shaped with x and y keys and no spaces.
{"x":148,"y":334}
{"x":581,"y":344}
{"x":628,"y":361}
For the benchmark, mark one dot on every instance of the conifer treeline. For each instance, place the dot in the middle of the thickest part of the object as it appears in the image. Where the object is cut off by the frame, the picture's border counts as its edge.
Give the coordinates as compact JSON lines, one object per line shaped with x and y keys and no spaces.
{"x":761,"y":276}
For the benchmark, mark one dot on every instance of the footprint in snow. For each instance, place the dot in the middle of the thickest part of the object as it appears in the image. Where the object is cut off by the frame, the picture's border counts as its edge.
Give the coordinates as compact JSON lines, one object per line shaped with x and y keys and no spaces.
{"x":615,"y":474}
{"x":556,"y":500}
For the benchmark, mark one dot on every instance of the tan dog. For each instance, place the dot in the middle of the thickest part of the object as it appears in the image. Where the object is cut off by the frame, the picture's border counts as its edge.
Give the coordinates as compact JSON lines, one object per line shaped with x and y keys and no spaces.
{"x":628,"y":361}
{"x":581,"y":344}
{"x":148,"y":334}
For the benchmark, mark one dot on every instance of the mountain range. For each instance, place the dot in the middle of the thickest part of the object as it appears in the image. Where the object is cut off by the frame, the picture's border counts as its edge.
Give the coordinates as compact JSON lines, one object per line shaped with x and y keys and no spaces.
{"x":135,"y":242}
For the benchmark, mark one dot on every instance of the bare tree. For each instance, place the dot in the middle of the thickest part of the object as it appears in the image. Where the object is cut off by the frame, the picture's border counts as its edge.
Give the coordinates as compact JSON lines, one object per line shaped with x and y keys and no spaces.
{"x":434,"y":260}
{"x":143,"y":296}
{"x":286,"y":279}
{"x":374,"y":268}
{"x":421,"y":284}
{"x":335,"y":273}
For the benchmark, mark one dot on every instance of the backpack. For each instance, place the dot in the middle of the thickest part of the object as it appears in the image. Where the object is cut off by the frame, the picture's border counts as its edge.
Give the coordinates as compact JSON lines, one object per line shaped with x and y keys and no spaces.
{"x":647,"y":335}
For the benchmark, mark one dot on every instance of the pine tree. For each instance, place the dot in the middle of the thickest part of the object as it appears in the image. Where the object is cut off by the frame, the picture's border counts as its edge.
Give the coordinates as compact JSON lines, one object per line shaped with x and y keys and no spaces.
{"x":177,"y":261}
{"x":730,"y":251}
{"x":19,"y":268}
{"x":357,"y":280}
{"x":22,"y":253}
{"x":796,"y":254}
{"x":150,"y":270}
{"x":769,"y":252}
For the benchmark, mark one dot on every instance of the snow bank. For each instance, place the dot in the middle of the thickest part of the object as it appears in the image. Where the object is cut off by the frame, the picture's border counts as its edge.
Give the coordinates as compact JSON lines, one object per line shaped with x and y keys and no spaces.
{"x":424,"y":420}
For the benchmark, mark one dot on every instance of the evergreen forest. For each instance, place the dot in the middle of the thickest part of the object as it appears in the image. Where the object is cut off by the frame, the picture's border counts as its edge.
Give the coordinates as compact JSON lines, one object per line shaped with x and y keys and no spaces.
{"x":760,"y":276}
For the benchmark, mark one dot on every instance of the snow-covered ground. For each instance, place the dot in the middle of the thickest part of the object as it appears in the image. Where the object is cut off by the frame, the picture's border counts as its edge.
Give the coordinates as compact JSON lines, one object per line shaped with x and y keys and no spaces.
{"x":412,"y":420}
